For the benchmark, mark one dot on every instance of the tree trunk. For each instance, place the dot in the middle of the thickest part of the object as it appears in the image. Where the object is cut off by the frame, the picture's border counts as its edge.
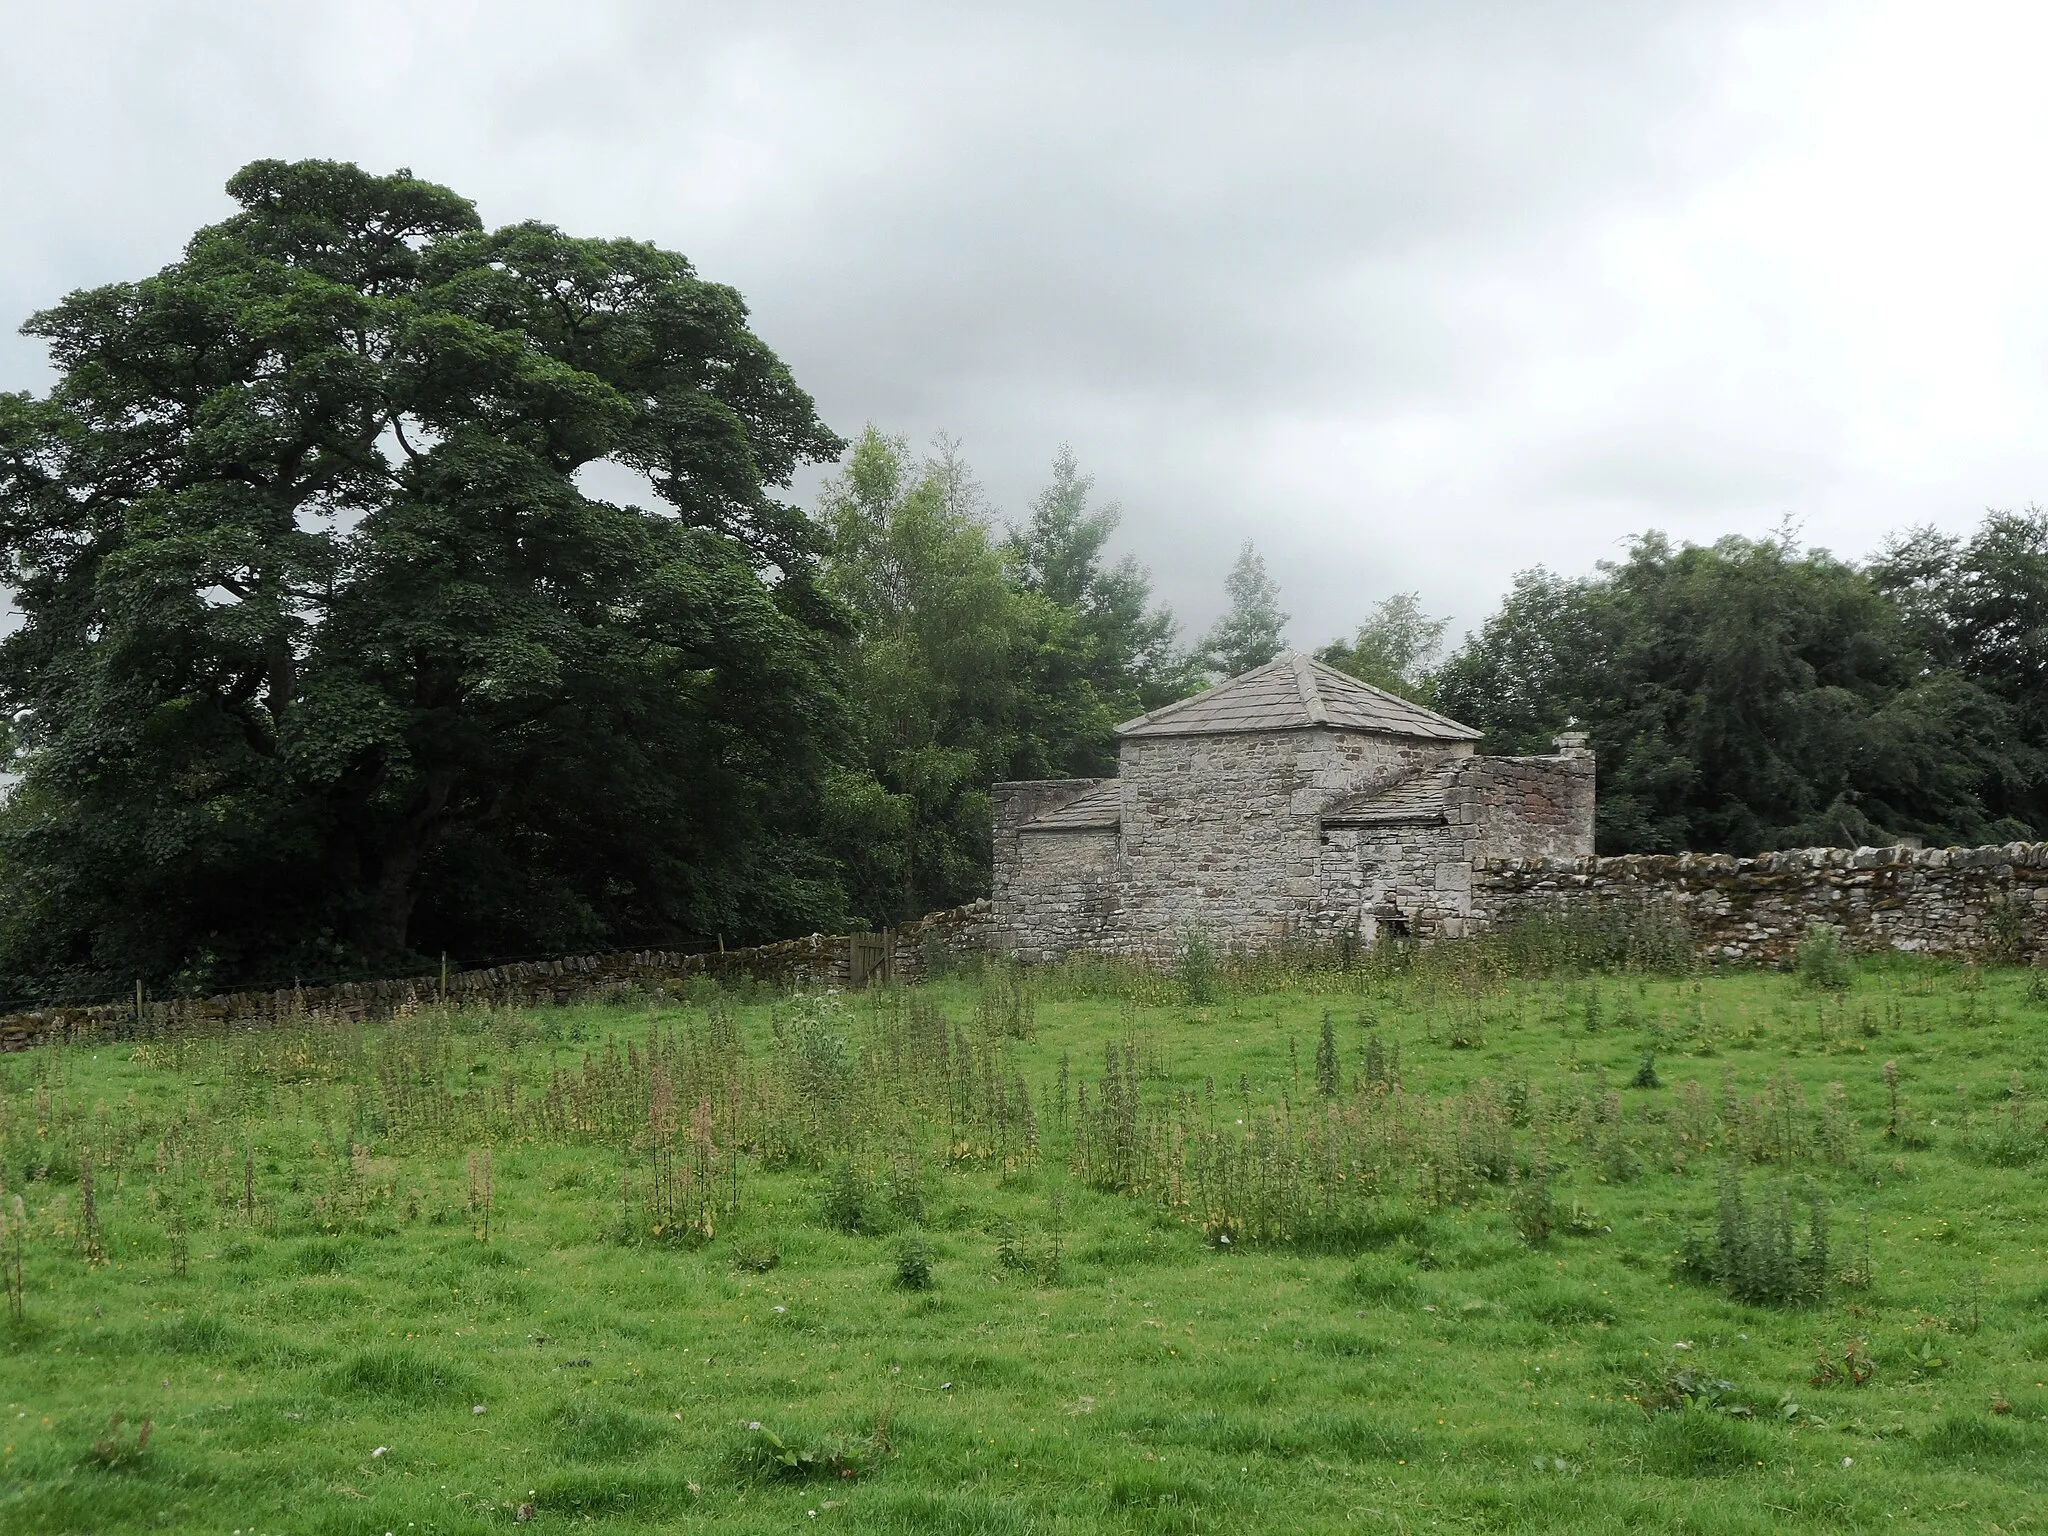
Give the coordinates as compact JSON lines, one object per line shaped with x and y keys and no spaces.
{"x":387,"y":908}
{"x":390,"y":861}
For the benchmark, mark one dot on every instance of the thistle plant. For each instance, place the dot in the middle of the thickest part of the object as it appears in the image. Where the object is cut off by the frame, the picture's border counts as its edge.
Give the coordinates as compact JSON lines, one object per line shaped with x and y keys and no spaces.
{"x":1329,"y":1078}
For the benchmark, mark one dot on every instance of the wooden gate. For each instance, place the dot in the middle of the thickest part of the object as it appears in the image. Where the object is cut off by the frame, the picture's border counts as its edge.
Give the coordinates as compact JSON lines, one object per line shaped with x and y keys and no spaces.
{"x":868,"y":960}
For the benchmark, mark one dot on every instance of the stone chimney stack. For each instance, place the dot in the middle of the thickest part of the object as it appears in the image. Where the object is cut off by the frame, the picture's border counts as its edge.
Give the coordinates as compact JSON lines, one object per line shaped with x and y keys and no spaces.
{"x":1572,"y":744}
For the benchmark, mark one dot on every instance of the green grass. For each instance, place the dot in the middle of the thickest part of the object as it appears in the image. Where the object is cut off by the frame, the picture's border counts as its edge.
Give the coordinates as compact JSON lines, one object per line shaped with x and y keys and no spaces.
{"x":1084,"y":1358}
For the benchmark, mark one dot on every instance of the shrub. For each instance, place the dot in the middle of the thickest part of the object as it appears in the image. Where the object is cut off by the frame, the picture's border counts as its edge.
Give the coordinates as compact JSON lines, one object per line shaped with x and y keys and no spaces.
{"x":1194,"y":967}
{"x":848,"y":1204}
{"x":1637,"y":937}
{"x":1329,"y":1077}
{"x":1754,"y":1254}
{"x":1534,"y":1211}
{"x":2005,"y":940}
{"x":757,"y":1257}
{"x":914,"y":1267}
{"x":1682,"y":1387}
{"x":1822,"y":960}
{"x":1006,"y":1009}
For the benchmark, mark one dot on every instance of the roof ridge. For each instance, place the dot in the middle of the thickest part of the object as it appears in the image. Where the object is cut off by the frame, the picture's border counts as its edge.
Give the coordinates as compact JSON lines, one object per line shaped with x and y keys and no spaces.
{"x":1308,"y":686}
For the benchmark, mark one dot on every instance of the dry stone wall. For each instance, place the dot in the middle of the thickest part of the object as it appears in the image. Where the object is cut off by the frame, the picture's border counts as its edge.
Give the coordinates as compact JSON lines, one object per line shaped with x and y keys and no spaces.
{"x":1970,"y":902}
{"x":819,"y":960}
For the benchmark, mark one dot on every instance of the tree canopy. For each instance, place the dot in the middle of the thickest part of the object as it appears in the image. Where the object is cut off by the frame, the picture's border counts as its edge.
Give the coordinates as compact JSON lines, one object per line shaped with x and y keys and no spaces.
{"x":1742,"y":696}
{"x":972,"y":660}
{"x":326,"y":654}
{"x":1396,"y":648}
{"x":1253,"y":630}
{"x":332,"y":657}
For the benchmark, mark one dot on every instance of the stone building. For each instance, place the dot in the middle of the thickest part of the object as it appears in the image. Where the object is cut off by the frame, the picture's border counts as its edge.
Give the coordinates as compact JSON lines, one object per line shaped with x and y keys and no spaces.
{"x":1290,"y":803}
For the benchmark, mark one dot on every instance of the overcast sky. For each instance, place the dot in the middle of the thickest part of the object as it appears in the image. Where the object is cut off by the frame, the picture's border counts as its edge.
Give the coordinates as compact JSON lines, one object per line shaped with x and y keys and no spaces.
{"x":1412,"y":295}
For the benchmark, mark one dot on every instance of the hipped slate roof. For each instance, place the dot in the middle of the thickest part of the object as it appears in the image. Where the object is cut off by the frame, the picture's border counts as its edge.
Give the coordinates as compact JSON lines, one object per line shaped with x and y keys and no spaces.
{"x":1412,"y":802}
{"x":1098,"y":808}
{"x":1296,"y":692}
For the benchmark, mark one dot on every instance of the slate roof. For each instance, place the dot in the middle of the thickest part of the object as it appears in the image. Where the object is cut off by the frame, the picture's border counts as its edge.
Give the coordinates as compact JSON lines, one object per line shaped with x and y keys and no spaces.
{"x":1412,"y":802}
{"x":1099,"y":808}
{"x":1295,"y":692}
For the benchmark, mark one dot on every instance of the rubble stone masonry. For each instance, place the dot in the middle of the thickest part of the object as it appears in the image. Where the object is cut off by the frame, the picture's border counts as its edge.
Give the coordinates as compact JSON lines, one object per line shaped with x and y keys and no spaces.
{"x":1989,"y":902}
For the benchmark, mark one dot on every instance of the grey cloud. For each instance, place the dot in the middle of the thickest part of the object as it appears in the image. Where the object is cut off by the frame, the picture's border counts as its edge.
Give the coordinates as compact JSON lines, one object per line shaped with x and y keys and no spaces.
{"x":1343,"y":279}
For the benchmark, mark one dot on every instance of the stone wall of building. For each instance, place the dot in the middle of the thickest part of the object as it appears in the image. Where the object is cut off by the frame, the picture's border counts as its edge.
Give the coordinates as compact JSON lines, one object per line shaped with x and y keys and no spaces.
{"x":1062,"y":894}
{"x":1526,"y":807}
{"x":1412,"y":881}
{"x":1417,"y":879}
{"x":1037,"y":879}
{"x":1979,"y":902}
{"x":1221,"y":833}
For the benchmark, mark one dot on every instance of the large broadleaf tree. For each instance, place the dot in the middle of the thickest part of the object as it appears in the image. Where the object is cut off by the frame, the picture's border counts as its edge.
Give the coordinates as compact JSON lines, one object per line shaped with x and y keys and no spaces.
{"x":329,"y":657}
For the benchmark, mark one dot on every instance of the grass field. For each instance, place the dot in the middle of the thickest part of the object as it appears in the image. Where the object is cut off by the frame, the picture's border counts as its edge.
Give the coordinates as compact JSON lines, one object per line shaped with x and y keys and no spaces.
{"x":1072,"y":1257}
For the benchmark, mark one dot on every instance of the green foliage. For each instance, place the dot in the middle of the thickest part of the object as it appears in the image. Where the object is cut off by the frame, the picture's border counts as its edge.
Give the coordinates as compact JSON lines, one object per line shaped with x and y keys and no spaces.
{"x":112,"y":1449}
{"x":1754,"y":1254}
{"x":972,"y":661}
{"x":1700,"y":1442}
{"x":1378,"y":1276}
{"x":1114,"y":649}
{"x":1251,"y":631}
{"x":1329,"y":1074}
{"x":1532,"y":1205}
{"x":1743,"y":696}
{"x":1194,"y":967}
{"x":763,"y":1454}
{"x":1822,"y":960}
{"x":1007,"y":1007}
{"x":404,"y":1375}
{"x":1980,"y":607}
{"x":848,"y":1204}
{"x":914,"y":1266}
{"x":1628,"y":937}
{"x":601,"y":1431}
{"x":1396,"y":648}
{"x":326,"y":655}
